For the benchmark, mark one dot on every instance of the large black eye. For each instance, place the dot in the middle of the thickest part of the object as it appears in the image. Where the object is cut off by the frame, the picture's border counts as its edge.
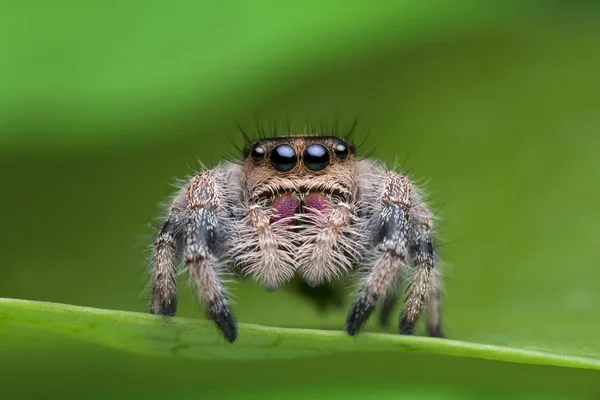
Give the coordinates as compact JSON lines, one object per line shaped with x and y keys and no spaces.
{"x":316,"y":157}
{"x":341,"y":150}
{"x":257,"y":153}
{"x":283,"y":158}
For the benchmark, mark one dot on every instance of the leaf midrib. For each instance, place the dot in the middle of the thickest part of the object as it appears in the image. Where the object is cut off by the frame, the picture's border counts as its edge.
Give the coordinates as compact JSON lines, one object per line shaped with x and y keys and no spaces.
{"x":57,"y":317}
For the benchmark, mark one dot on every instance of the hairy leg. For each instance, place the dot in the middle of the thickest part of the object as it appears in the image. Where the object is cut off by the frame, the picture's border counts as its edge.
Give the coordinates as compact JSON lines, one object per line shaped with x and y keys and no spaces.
{"x":164,"y":260}
{"x":325,"y":296}
{"x":200,"y":253}
{"x":423,"y":286}
{"x":391,"y":251}
{"x":434,"y":316}
{"x":387,"y":307}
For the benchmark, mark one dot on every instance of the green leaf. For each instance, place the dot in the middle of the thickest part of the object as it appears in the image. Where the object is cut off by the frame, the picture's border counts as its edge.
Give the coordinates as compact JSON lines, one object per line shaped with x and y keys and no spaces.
{"x":101,"y":107}
{"x":179,"y":337}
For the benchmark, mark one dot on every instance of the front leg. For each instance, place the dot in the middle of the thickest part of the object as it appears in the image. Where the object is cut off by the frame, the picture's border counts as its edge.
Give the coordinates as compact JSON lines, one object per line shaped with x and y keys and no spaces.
{"x":391,"y":251}
{"x":192,"y":228}
{"x":200,"y":250}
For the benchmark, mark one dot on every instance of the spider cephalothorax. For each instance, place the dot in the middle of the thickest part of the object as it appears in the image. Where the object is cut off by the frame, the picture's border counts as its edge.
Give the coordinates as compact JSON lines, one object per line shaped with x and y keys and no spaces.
{"x":302,"y":206}
{"x":300,"y":193}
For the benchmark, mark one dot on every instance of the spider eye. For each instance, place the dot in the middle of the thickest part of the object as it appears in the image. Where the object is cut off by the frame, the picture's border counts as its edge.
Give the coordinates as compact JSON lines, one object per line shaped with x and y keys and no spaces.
{"x":283,"y":158}
{"x":257,"y":153}
{"x":341,"y":150}
{"x":316,"y":157}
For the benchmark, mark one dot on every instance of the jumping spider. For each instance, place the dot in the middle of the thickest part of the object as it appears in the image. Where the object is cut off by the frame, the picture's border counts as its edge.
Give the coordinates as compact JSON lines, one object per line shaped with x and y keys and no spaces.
{"x":307,"y":207}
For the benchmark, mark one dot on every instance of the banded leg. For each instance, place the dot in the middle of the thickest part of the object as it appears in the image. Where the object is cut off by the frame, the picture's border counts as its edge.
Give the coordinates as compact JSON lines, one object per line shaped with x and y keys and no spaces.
{"x":391,"y":253}
{"x":423,"y":286}
{"x":200,"y":252}
{"x":165,"y":256}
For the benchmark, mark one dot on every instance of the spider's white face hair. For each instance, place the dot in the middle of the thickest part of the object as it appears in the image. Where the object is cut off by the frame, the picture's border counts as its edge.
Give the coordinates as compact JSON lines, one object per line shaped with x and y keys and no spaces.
{"x":307,"y":207}
{"x":301,"y":194}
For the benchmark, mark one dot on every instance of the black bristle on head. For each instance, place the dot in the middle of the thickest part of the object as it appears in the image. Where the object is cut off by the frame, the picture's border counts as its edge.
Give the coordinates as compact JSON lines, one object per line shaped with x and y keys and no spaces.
{"x":359,"y":147}
{"x":274,"y":129}
{"x":335,"y":125}
{"x":349,"y":135}
{"x":288,"y":125}
{"x":235,"y":144}
{"x":260,"y":129}
{"x":243,"y":132}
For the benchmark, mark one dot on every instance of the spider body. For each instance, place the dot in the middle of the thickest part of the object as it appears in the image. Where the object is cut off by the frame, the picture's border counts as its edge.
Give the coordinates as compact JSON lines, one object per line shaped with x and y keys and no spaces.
{"x":307,"y":207}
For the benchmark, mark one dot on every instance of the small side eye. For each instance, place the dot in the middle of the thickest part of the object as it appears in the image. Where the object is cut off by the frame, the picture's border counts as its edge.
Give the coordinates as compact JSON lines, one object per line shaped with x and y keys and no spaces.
{"x":341,"y":151}
{"x":257,"y":153}
{"x":283,"y":158}
{"x":316,"y":157}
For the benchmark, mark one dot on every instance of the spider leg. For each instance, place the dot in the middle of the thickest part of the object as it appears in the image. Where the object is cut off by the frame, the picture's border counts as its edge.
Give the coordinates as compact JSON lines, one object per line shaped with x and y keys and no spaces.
{"x":325,"y":296}
{"x":434,"y":316}
{"x":386,"y":308}
{"x":200,"y":253}
{"x":391,"y":251}
{"x":167,"y":248}
{"x":423,"y":289}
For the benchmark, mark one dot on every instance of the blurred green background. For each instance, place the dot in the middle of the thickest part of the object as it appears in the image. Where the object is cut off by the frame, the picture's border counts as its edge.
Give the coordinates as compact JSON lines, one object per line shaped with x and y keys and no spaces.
{"x":496,"y":104}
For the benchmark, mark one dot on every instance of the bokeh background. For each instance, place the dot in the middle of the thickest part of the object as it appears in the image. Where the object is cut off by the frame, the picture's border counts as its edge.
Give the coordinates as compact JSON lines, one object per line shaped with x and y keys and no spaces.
{"x":495,"y":105}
